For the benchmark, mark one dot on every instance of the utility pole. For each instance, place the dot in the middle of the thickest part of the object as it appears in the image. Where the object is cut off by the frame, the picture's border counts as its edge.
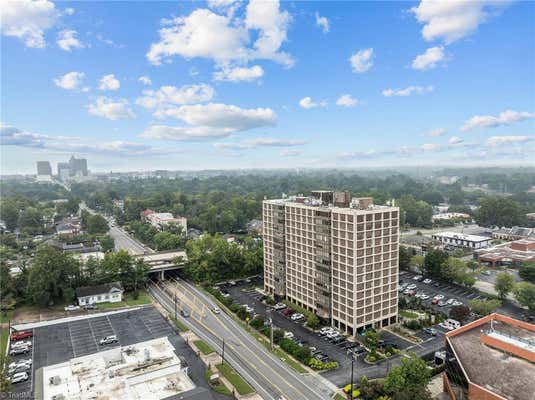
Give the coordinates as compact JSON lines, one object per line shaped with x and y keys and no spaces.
{"x":223,"y":353}
{"x":269,"y":322}
{"x":350,"y":393}
{"x":175,"y":304}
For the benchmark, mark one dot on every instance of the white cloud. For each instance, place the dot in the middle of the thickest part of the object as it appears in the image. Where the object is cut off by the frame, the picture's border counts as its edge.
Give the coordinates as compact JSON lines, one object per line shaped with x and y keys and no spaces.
{"x":223,"y":38}
{"x":67,"y":40}
{"x":323,"y":23}
{"x":430,"y":59}
{"x":436,"y":132}
{"x":70,"y":81}
{"x":346,"y":100}
{"x":185,"y":134}
{"x":239,"y":74}
{"x":68,"y":11}
{"x":290,"y":153}
{"x":362,"y":60}
{"x":170,"y":96}
{"x":495,"y":141}
{"x":229,"y":7}
{"x":111,"y":109}
{"x":507,"y":117}
{"x":145,"y":80}
{"x":455,"y":140}
{"x":407,"y":91}
{"x":307,"y":102}
{"x":12,"y":136}
{"x":223,"y":116}
{"x":260,"y":142}
{"x":109,"y":82}
{"x":28,"y":20}
{"x":429,"y":147}
{"x":453,"y":20}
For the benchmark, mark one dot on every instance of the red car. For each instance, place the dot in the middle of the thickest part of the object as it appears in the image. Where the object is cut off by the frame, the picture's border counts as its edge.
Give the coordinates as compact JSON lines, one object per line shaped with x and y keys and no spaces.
{"x":288,"y":312}
{"x":21,"y":335}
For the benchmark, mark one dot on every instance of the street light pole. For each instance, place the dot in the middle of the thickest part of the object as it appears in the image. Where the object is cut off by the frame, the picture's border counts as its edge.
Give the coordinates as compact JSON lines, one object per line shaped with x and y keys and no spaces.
{"x":223,"y":353}
{"x":350,"y":392}
{"x":175,"y":304}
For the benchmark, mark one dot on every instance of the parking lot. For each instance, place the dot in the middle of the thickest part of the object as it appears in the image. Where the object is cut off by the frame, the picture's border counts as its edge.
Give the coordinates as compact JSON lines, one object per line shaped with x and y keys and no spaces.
{"x":61,"y":342}
{"x":243,"y":294}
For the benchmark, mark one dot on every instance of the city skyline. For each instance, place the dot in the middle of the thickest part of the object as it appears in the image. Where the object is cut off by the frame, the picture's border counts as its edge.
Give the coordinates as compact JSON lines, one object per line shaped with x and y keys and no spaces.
{"x":267,"y":85}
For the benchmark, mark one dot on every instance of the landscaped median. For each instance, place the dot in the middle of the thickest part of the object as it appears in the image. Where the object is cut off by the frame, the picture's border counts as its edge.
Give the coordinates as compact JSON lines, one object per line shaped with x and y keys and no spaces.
{"x":237,"y":381}
{"x":203,"y":347}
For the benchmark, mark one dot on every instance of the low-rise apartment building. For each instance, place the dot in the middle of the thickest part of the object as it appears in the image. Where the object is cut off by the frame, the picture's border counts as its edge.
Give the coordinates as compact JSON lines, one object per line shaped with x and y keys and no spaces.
{"x":161,"y":220}
{"x":335,"y":256}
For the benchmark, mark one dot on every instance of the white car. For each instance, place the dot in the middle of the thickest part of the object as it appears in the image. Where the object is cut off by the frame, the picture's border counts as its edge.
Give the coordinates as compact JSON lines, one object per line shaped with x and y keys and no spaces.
{"x":457,"y":303}
{"x":72,"y":307}
{"x":216,"y":310}
{"x":326,"y":330}
{"x":424,"y":297}
{"x":450,"y":301}
{"x":108,"y":340}
{"x":439,"y":297}
{"x":279,"y":306}
{"x":21,"y":344}
{"x":288,"y":335}
{"x":249,"y":309}
{"x":412,"y":286}
{"x":19,"y":377}
{"x":18,"y":368}
{"x":297,"y":316}
{"x":427,"y":281}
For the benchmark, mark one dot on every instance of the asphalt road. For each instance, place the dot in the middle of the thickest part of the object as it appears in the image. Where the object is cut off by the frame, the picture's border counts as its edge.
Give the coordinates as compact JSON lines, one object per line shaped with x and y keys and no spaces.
{"x":123,"y":241}
{"x":271,"y":377}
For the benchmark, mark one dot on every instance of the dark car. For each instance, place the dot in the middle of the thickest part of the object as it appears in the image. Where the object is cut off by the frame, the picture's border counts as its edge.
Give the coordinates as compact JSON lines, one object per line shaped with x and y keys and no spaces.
{"x":184,"y":313}
{"x":90,"y":307}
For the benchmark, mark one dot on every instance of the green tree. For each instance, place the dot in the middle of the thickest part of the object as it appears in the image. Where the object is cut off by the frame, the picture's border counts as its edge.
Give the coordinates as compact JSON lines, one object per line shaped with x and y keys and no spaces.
{"x":484,"y":307}
{"x":31,"y":221}
{"x":371,"y":340}
{"x":404,"y":257}
{"x":500,"y":211}
{"x":460,"y":313}
{"x":312,"y":321}
{"x":168,"y":241}
{"x":107,"y":243}
{"x":525,"y":295}
{"x":434,"y":262}
{"x":9,"y":213}
{"x":52,"y":277}
{"x":418,"y":262}
{"x":527,"y":272}
{"x":504,"y":284}
{"x":96,"y":224}
{"x":416,"y":213}
{"x":408,"y":380}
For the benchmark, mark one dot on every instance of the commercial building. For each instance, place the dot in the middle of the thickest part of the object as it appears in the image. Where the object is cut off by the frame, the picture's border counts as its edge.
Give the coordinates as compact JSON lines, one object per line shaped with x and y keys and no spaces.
{"x":449,"y":216}
{"x":44,"y":168}
{"x":64,"y":171}
{"x":106,"y":293}
{"x":161,"y":220}
{"x":146,"y":370}
{"x":492,"y":358}
{"x":514,"y":233}
{"x":78,"y":166}
{"x":334,"y":256}
{"x":461,"y":240}
{"x":516,"y":253}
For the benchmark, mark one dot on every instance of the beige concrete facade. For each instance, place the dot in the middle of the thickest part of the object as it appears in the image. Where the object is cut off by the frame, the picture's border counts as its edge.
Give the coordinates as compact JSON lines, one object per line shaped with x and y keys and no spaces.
{"x":340,"y":262}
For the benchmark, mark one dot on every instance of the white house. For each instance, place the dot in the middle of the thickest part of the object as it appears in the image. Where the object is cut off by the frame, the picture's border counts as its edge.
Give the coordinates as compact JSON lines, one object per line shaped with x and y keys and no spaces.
{"x":107,"y":293}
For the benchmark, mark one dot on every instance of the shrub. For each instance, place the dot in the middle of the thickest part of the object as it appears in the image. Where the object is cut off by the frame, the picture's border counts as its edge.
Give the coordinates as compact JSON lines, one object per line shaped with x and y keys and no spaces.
{"x":257,"y":323}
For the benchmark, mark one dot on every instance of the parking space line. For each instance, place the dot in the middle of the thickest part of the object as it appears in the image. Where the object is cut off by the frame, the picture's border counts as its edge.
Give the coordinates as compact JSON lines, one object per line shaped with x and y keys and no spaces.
{"x":93,"y":335}
{"x":72,"y":343}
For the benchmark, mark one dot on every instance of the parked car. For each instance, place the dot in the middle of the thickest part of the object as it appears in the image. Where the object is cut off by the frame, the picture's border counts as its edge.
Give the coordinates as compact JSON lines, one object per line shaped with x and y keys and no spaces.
{"x":288,"y":335}
{"x":20,"y":335}
{"x":18,"y":368}
{"x":90,"y":306}
{"x":225,"y":294}
{"x":19,"y":377}
{"x":72,"y":307}
{"x":20,"y":362}
{"x":279,"y":306}
{"x":439,"y":297}
{"x":21,"y":344}
{"x":434,"y":301}
{"x":216,"y":310}
{"x":424,"y":297}
{"x":412,"y":286}
{"x":108,"y":340}
{"x":442,"y":303}
{"x":297,"y":316}
{"x":184,"y":313}
{"x":457,"y":303}
{"x":19,"y":350}
{"x":248,"y":308}
{"x":288,"y":312}
{"x":418,"y":278}
{"x":428,"y":281}
{"x":431,"y":331}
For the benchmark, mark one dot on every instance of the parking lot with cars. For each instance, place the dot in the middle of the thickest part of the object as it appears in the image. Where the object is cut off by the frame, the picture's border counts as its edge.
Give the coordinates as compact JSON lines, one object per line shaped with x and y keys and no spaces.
{"x":326,"y":345}
{"x":57,"y":343}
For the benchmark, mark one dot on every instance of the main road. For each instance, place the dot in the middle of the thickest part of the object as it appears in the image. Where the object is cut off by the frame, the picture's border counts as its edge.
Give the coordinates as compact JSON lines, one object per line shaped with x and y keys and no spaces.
{"x":272,"y":378}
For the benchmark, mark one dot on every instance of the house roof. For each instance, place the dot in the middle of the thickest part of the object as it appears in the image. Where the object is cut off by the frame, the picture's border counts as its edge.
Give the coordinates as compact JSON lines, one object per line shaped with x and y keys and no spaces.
{"x":99,"y":289}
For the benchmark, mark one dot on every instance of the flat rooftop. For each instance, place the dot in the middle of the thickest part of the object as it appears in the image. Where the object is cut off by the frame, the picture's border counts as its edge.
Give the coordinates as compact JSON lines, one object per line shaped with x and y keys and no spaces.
{"x":506,"y":375}
{"x":462,"y":236}
{"x":310,"y":201}
{"x":146,"y":370}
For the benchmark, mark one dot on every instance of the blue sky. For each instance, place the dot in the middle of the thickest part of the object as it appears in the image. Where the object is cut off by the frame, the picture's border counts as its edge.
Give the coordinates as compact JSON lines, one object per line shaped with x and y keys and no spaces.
{"x":258,"y":84}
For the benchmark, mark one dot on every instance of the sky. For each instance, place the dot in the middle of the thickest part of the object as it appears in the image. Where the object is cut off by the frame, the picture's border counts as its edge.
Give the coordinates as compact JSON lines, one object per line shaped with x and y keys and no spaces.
{"x":229,"y":84}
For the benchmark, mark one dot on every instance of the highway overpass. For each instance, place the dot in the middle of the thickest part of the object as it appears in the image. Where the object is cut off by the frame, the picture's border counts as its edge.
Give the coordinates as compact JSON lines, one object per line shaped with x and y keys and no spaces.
{"x":164,"y":261}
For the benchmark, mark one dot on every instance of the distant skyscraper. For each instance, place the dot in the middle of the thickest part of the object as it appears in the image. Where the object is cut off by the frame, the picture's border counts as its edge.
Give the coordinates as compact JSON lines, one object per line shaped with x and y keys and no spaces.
{"x":64,"y":171}
{"x":78,"y":166}
{"x":44,"y":168}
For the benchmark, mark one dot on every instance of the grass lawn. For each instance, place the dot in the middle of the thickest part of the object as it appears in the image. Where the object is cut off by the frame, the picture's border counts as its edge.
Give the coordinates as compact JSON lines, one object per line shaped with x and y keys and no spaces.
{"x":180,"y":326}
{"x":203,"y":347}
{"x":220,"y":388}
{"x":4,"y":334}
{"x":5,"y":316}
{"x":408,"y":314}
{"x":237,"y":381}
{"x":128,"y":301}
